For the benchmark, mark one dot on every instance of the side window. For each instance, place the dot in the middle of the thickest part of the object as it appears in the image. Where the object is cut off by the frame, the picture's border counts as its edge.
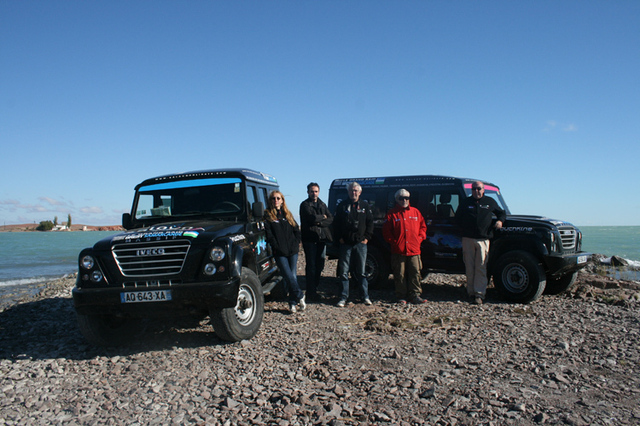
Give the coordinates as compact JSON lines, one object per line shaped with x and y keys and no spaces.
{"x":262,"y":196}
{"x":425,"y":204}
{"x":377,"y":202}
{"x":446,"y":204}
{"x":251,"y":195}
{"x":251,"y":198}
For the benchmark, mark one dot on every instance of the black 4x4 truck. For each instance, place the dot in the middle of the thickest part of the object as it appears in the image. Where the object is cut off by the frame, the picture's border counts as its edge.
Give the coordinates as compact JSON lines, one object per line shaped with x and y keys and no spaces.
{"x":195,"y":245}
{"x":529,"y":256}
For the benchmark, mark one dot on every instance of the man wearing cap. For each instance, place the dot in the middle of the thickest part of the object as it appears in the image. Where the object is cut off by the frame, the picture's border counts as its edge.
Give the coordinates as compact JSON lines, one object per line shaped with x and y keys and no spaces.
{"x":404,"y":229}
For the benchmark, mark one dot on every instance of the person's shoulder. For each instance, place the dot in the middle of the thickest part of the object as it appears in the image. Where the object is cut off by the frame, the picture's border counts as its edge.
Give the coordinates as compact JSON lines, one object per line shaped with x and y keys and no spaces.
{"x":489,"y":200}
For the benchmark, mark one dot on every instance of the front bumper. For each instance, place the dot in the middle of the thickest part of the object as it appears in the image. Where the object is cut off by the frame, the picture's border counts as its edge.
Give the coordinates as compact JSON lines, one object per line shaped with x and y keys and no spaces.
{"x":559,"y":265}
{"x":185,"y":298}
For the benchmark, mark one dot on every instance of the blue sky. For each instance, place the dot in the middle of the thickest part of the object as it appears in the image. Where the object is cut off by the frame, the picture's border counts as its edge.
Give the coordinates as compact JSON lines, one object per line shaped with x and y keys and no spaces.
{"x":541,"y":98}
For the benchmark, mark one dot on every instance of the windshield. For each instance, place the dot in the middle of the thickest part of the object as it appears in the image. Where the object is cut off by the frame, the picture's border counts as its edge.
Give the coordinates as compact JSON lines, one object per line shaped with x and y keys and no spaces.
{"x":220,"y":197}
{"x":490,"y":191}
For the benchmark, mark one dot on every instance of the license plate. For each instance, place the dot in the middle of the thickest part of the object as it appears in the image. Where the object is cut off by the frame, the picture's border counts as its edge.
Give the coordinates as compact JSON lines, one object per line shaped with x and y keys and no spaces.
{"x":582,"y":259}
{"x":145,"y":296}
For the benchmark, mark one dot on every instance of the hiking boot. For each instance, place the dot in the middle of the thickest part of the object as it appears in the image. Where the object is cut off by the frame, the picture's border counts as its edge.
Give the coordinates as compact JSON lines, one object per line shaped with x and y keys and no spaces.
{"x":478,"y":300}
{"x":292,"y":308}
{"x":402,"y":302}
{"x":418,"y":300}
{"x":368,"y":302}
{"x":341,"y":303}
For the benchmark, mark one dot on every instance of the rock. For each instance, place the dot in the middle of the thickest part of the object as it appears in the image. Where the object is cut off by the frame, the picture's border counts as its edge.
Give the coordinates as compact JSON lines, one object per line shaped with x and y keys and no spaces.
{"x":572,"y":358}
{"x":619,"y":261}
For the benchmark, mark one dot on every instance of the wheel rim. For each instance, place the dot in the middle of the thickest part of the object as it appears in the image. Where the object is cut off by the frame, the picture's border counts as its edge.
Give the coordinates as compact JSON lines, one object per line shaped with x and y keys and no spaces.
{"x":245,"y":308}
{"x":370,"y":269}
{"x":515,"y":278}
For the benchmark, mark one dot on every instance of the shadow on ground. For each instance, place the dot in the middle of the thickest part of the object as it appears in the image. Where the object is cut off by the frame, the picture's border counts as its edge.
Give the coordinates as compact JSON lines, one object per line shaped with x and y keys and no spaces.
{"x":47,"y":329}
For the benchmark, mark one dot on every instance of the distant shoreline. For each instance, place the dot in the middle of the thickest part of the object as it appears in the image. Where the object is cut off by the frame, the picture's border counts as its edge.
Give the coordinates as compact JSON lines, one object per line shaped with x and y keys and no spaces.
{"x":31,"y":227}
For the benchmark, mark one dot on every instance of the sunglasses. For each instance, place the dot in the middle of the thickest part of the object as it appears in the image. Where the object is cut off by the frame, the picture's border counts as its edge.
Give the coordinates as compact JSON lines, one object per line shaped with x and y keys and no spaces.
{"x":276,"y":198}
{"x":403,"y":198}
{"x":475,"y":188}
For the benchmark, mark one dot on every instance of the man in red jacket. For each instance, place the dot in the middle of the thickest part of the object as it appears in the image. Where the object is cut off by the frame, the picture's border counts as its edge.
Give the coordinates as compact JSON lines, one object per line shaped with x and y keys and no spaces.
{"x":404,"y":228}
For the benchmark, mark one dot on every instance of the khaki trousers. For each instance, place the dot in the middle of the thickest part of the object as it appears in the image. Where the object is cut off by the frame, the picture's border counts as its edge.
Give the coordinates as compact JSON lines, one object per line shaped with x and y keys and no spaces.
{"x":406,"y":276}
{"x":476,"y":255}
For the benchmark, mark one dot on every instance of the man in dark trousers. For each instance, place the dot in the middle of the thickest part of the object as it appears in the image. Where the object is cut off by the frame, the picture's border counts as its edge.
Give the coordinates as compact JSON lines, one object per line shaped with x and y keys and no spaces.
{"x":475,"y":216}
{"x":353,"y":226}
{"x":315,"y":221}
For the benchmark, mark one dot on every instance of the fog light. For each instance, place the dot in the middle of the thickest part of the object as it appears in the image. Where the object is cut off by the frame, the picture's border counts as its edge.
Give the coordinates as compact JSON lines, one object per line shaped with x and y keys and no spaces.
{"x":96,"y":276}
{"x":209,"y":269}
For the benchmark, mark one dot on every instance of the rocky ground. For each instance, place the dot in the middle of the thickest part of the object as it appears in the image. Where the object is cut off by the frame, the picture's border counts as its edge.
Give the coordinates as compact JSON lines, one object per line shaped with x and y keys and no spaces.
{"x":569,"y":359}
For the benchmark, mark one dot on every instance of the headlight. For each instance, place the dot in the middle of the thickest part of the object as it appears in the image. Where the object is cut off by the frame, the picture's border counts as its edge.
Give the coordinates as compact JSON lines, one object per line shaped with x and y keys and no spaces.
{"x":96,"y":276}
{"x":87,"y":262}
{"x":217,"y":254}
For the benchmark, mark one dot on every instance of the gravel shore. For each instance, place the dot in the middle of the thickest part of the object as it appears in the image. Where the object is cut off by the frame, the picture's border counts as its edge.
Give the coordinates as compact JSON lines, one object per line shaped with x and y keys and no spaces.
{"x":569,"y":359}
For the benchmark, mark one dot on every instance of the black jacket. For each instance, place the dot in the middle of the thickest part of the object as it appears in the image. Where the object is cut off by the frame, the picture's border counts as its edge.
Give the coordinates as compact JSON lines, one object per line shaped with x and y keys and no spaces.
{"x":283,"y":238}
{"x":476,"y":217}
{"x":313,"y":224}
{"x":353,"y":224}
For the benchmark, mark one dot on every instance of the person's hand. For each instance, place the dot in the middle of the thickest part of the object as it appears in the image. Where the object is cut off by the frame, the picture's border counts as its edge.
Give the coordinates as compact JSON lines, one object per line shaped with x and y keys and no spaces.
{"x":498,"y":224}
{"x":365,"y":241}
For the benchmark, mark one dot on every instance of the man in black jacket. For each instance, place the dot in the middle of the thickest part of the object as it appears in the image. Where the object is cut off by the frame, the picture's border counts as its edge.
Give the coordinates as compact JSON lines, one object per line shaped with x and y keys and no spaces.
{"x":353,"y":226}
{"x":315,"y":220}
{"x":475,"y":216}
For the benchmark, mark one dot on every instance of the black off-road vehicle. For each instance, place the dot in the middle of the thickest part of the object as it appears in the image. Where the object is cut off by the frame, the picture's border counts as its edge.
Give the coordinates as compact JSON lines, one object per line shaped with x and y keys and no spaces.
{"x":195,"y":245}
{"x":529,"y":256}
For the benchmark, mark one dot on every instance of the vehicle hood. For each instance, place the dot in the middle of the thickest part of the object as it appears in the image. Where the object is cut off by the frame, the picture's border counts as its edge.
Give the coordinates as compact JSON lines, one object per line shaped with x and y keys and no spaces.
{"x":534,"y":221}
{"x":196,"y":231}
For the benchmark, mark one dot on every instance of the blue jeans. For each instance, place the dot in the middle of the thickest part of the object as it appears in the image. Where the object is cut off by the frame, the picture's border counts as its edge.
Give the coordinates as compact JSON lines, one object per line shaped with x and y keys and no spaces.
{"x":360,"y":252}
{"x":314,"y":253}
{"x":288,"y":265}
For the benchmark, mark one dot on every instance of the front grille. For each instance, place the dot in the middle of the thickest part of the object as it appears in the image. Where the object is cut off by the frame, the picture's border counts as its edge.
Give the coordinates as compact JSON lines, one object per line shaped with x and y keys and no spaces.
{"x":568,"y":236}
{"x":150,"y":283}
{"x":154,"y":258}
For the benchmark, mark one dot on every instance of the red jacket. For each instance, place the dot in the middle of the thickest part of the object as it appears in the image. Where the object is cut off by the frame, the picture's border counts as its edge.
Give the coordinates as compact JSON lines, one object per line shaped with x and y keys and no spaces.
{"x":404,"y":229}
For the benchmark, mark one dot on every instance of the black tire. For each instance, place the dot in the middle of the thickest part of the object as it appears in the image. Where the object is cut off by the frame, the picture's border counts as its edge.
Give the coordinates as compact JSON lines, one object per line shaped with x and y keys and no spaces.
{"x":243,"y":321}
{"x":106,"y":330}
{"x":560,"y":285}
{"x":376,"y":269}
{"x":519,"y":276}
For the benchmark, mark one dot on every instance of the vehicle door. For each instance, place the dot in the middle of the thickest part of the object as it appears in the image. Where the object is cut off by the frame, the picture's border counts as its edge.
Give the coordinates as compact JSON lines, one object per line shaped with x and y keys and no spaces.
{"x":442,"y":250}
{"x":256,"y":235}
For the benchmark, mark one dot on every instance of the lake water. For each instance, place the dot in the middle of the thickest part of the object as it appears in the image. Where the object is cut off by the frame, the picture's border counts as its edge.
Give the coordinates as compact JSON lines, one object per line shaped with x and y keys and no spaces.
{"x":32,"y":257}
{"x":622,"y":241}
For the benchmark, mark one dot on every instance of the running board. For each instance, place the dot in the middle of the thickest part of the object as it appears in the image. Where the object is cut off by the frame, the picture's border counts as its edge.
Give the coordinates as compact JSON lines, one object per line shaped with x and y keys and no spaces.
{"x":269,"y":285}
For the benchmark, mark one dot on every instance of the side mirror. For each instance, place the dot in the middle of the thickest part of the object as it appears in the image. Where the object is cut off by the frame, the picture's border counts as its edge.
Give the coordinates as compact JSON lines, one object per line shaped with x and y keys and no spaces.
{"x":126,"y":221}
{"x":258,"y":210}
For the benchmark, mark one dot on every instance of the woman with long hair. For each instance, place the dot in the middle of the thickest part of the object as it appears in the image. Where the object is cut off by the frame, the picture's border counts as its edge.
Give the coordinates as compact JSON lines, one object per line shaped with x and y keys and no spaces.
{"x":283,"y":235}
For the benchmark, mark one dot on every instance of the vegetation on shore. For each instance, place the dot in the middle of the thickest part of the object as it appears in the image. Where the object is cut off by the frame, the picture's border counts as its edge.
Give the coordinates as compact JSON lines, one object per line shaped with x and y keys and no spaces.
{"x":30,"y":227}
